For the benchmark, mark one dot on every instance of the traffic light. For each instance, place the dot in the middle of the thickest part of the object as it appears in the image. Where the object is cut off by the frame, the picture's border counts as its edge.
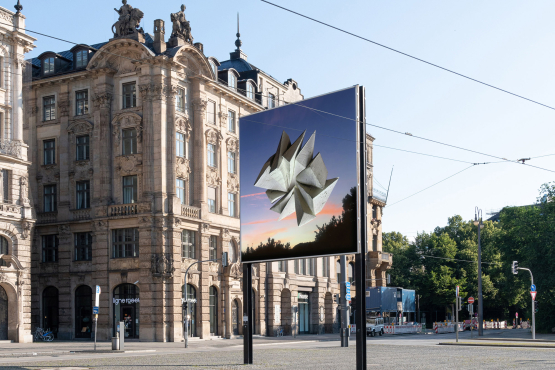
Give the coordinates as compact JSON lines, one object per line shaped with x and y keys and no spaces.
{"x":224,"y":259}
{"x":336,"y":298}
{"x":515,"y":267}
{"x":536,"y":306}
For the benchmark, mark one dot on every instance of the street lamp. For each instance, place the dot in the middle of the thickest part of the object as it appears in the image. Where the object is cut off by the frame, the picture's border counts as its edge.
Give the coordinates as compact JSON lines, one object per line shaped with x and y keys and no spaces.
{"x":480,"y":225}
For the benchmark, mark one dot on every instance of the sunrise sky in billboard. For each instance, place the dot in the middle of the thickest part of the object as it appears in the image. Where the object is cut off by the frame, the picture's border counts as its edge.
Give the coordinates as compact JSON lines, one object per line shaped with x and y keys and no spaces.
{"x":335,"y":140}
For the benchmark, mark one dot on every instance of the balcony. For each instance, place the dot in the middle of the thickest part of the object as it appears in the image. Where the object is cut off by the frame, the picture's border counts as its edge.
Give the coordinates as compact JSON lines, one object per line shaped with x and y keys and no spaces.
{"x":10,"y":209}
{"x":379,"y":195}
{"x":12,"y":148}
{"x":47,"y":217}
{"x":81,"y":214}
{"x":122,"y":210}
{"x":190,"y":211}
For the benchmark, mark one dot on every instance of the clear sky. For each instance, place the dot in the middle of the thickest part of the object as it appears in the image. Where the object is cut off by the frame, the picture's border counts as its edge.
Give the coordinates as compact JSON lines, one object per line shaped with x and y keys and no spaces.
{"x":505,"y":43}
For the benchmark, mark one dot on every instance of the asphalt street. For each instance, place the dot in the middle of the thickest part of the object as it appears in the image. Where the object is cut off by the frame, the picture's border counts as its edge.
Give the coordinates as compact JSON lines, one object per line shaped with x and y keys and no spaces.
{"x":308,"y":352}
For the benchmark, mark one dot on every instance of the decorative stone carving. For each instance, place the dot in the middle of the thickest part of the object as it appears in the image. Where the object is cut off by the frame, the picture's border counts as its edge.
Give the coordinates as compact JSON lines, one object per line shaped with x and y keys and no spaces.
{"x":181,"y":27}
{"x":200,"y":105}
{"x":146,"y":220}
{"x":212,"y":176}
{"x":226,"y":233}
{"x":80,"y":127}
{"x":232,"y":144}
{"x":124,"y":263}
{"x":127,"y":120}
{"x":102,"y":100}
{"x":98,"y":226}
{"x":182,"y":169}
{"x":64,"y":232}
{"x":63,"y":107}
{"x":233,"y":183}
{"x":129,"y":164}
{"x":213,"y":136}
{"x":23,"y":190}
{"x":161,"y":265}
{"x":236,"y":270}
{"x":128,"y":22}
{"x":183,"y":125}
{"x":10,"y":147}
{"x":26,"y":229}
{"x":205,"y":227}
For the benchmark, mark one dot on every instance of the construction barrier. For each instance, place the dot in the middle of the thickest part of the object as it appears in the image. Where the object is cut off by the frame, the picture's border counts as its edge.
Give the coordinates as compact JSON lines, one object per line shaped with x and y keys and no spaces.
{"x":495,"y":325}
{"x":402,"y":329}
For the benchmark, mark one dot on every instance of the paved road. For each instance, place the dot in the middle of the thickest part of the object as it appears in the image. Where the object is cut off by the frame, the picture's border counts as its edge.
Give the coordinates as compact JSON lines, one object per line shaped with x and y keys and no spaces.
{"x":399,"y":352}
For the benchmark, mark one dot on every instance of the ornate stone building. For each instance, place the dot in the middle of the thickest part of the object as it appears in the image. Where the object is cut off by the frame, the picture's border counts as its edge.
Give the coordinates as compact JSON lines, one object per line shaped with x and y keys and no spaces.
{"x":16,"y":218}
{"x":135,"y":152}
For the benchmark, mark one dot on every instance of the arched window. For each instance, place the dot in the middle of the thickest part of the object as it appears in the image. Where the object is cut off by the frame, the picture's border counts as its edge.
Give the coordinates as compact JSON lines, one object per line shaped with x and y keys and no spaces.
{"x":231,"y":252}
{"x":3,"y":314}
{"x":126,"y":305}
{"x":250,"y":91}
{"x":213,"y":306}
{"x":214,"y":69}
{"x":50,"y":317}
{"x":3,"y":249}
{"x":83,"y":312}
{"x":192,"y":308}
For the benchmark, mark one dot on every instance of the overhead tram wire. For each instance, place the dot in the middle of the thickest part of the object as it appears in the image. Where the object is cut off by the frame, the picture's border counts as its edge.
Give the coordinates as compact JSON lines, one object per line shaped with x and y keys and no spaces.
{"x":459,"y":260}
{"x":439,"y":182}
{"x":293,"y":103}
{"x":410,"y":56}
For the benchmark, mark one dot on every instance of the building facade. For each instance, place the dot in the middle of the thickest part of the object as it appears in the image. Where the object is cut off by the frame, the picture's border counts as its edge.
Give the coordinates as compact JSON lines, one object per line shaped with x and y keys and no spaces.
{"x":16,"y":219}
{"x":135,"y":152}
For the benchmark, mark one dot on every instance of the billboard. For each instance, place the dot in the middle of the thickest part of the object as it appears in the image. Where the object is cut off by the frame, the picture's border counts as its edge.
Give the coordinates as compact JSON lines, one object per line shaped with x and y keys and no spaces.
{"x":299,"y":171}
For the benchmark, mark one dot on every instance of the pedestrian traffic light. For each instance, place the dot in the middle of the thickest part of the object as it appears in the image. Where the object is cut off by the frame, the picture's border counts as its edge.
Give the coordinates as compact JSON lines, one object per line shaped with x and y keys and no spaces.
{"x":515,"y":267}
{"x":224,"y":259}
{"x":536,"y":306}
{"x":336,"y":298}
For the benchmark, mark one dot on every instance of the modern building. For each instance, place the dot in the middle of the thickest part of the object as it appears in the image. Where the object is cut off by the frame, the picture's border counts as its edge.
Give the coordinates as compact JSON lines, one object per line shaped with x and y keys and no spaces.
{"x":16,"y":219}
{"x":134,"y":143}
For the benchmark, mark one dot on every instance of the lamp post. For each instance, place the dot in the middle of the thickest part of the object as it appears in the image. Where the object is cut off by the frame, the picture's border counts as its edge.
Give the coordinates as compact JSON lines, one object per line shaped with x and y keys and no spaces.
{"x":480,"y":225}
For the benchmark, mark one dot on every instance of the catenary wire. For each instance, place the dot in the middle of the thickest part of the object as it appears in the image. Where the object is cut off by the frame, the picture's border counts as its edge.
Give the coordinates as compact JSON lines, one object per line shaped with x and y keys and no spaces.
{"x":439,"y":182}
{"x":459,"y":260}
{"x":410,"y":56}
{"x":297,"y":103}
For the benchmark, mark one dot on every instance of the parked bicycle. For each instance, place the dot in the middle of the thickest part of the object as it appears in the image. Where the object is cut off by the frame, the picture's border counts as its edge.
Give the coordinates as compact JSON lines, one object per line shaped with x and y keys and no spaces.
{"x":279,"y":331}
{"x":45,"y":336}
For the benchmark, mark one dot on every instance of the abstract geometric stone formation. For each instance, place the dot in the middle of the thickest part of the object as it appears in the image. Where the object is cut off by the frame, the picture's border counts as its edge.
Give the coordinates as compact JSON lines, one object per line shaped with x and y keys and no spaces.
{"x":295,"y":180}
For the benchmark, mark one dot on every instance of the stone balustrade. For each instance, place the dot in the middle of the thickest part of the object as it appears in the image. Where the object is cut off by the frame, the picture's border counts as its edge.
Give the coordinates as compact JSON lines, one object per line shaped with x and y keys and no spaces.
{"x":47,"y":217}
{"x":190,"y":211}
{"x":10,"y":147}
{"x":122,"y":210}
{"x":81,"y":214}
{"x":10,"y":208}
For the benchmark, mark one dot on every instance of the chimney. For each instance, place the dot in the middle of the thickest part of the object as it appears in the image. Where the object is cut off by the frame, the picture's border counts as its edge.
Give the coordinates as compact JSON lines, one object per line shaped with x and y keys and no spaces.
{"x":159,"y":32}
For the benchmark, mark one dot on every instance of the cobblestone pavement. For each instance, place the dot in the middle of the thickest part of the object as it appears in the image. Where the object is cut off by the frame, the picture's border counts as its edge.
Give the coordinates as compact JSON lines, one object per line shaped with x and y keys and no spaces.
{"x":303,"y":355}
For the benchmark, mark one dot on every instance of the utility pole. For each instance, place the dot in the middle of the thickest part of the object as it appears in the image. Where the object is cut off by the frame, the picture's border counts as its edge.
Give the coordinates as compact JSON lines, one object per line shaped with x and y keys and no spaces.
{"x":343,"y":304}
{"x":478,"y":222}
{"x":515,"y":271}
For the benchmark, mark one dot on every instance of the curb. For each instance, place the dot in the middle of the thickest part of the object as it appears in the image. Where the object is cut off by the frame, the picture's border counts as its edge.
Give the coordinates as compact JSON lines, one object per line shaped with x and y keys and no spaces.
{"x":494,"y":345}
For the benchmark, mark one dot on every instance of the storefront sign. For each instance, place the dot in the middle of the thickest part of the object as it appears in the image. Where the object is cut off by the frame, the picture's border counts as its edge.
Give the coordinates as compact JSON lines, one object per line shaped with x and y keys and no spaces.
{"x":117,"y":301}
{"x":303,"y":296}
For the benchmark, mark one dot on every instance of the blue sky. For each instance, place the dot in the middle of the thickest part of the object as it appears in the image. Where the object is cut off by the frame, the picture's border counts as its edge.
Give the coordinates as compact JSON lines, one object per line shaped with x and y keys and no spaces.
{"x":502,"y":42}
{"x":335,"y":140}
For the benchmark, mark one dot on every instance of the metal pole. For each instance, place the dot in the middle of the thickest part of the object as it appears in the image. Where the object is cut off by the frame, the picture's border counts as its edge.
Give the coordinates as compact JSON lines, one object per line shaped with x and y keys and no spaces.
{"x":480,"y":300}
{"x":343,"y":303}
{"x":533,"y":308}
{"x":95,"y":326}
{"x":186,"y":312}
{"x":247,"y":313}
{"x":457,"y":315}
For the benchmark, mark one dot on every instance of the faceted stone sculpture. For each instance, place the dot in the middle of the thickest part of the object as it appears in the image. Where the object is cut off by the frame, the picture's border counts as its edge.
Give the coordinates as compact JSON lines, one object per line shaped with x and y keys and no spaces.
{"x":295,"y":180}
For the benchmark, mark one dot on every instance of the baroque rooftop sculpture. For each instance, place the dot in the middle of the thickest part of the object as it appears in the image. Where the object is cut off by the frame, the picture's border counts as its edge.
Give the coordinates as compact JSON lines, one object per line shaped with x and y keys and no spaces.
{"x":128,"y":22}
{"x":181,"y":27}
{"x":295,"y":180}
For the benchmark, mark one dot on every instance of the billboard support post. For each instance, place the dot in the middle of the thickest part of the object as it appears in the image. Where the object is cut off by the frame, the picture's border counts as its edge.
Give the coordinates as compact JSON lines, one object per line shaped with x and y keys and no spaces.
{"x":343,"y":303}
{"x":247,"y":314}
{"x":360,"y":258}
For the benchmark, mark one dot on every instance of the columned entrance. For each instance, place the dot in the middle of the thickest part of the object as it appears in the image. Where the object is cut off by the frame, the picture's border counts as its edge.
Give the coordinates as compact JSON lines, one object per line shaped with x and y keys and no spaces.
{"x":50,"y":318}
{"x":83,"y":312}
{"x":3,"y":314}
{"x":304,"y":313}
{"x":126,"y":308}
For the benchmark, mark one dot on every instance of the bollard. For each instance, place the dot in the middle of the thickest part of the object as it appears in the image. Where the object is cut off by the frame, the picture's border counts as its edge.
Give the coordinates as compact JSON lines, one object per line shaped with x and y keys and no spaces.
{"x":121,"y":327}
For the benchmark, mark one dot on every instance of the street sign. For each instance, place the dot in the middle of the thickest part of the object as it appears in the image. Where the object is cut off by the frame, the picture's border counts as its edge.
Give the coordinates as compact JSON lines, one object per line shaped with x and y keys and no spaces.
{"x":517,"y":315}
{"x":348,"y":296}
{"x":347,"y":291}
{"x":533,"y":287}
{"x":348,"y":285}
{"x":95,"y":310}
{"x":470,"y":300}
{"x":97,"y":296}
{"x":533,"y":295}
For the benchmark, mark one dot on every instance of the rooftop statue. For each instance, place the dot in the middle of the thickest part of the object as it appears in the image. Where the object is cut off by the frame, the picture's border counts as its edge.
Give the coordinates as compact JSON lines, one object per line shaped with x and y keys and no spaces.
{"x":181,"y":27}
{"x":128,"y":22}
{"x":296,"y":181}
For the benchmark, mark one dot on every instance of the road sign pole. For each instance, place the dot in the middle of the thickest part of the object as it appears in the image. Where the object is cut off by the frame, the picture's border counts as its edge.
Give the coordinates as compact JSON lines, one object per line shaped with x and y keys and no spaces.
{"x":533,"y":308}
{"x":95,"y":326}
{"x":457,"y":314}
{"x":343,"y":303}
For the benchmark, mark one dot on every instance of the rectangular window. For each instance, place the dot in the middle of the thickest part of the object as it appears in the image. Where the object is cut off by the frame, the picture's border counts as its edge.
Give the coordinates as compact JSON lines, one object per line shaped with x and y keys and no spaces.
{"x":180,"y":100}
{"x":50,"y":248}
{"x":231,"y":204}
{"x":231,"y":121}
{"x":129,"y":141}
{"x":231,"y":162}
{"x":129,"y":95}
{"x":130,"y":189}
{"x":82,"y":147}
{"x":49,"y":108}
{"x":83,"y":189}
{"x":250,"y":91}
{"x":81,"y":102}
{"x":125,"y":243}
{"x":81,"y":57}
{"x":212,"y":200}
{"x":180,"y":188}
{"x":49,"y":151}
{"x":180,"y":144}
{"x":188,"y":244}
{"x":213,"y":248}
{"x":48,"y":66}
{"x":271,"y":100}
{"x":50,"y":198}
{"x":232,"y":81}
{"x":211,"y":148}
{"x":6,"y":185}
{"x":211,"y":112}
{"x":83,"y":246}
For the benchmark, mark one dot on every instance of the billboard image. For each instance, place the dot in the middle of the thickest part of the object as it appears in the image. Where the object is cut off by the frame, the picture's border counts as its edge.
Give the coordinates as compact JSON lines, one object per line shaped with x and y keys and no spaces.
{"x":299,"y":175}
